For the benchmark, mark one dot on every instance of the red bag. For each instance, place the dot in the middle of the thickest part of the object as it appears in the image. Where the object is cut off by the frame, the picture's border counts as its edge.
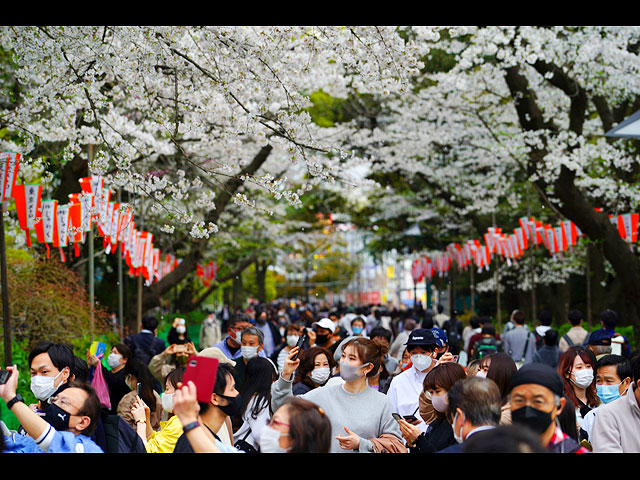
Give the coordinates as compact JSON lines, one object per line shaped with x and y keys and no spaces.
{"x":100,"y":386}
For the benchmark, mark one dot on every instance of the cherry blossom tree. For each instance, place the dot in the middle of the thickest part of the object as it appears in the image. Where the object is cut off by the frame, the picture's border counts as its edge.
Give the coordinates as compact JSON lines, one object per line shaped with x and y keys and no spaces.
{"x":518,"y":106}
{"x":186,"y":117}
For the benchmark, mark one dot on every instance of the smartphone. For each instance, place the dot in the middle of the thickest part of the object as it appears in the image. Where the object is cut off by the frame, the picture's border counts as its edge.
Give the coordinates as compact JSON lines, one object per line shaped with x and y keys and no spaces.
{"x":202,"y":372}
{"x":455,"y":358}
{"x":410,"y":418}
{"x":138,"y":388}
{"x":4,"y":376}
{"x":397,"y":416}
{"x":300,"y":344}
{"x":180,"y":348}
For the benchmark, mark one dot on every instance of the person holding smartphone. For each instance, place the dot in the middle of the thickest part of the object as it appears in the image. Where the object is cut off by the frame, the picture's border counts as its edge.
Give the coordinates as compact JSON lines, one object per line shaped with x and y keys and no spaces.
{"x":405,"y":388}
{"x":360,"y":416}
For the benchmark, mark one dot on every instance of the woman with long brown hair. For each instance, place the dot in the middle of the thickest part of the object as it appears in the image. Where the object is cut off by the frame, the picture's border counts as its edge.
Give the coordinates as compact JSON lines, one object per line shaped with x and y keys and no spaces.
{"x":577,"y":369}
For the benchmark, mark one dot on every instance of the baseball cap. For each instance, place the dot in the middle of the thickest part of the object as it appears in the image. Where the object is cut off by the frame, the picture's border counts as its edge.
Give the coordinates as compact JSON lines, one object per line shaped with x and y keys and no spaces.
{"x":440,"y":336}
{"x":324,"y":323}
{"x":420,"y":337}
{"x":600,"y":337}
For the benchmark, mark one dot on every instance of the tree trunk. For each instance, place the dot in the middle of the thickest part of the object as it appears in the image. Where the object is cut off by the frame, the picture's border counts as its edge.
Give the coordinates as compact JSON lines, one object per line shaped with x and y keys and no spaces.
{"x":153,"y":294}
{"x":261,"y":278}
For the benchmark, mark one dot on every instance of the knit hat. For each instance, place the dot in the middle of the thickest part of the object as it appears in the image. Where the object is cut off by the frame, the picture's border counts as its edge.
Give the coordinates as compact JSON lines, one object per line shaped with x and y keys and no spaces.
{"x":538,"y":374}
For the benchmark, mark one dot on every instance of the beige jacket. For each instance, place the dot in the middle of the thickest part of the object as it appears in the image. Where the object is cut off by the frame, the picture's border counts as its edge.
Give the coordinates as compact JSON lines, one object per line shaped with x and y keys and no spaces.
{"x":616,"y":425}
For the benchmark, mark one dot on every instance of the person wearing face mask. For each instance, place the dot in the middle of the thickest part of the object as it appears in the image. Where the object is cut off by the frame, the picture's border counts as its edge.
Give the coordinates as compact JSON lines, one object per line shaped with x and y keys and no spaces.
{"x":114,"y":376}
{"x":440,"y":434}
{"x":474,"y":406}
{"x":178,"y":334}
{"x":141,"y":387}
{"x":613,"y":378}
{"x":315,"y":369}
{"x":358,"y":325}
{"x":207,"y":419}
{"x":404,"y":391}
{"x":577,"y":368}
{"x":251,"y":346}
{"x":324,"y":329}
{"x":617,"y":423}
{"x":499,"y":367}
{"x":292,"y":335}
{"x":68,"y":423}
{"x":50,"y":365}
{"x":164,"y":439}
{"x":210,"y":332}
{"x":230,"y":344}
{"x":537,"y":400}
{"x":270,"y":332}
{"x":256,"y":403}
{"x":361,"y":417}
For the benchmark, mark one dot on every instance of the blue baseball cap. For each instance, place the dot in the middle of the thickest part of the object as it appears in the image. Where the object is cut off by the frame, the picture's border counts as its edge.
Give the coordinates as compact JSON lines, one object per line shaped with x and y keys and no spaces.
{"x":440,"y":336}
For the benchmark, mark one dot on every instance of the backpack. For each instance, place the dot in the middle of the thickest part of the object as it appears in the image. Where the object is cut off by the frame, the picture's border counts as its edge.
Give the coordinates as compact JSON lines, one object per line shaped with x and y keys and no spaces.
{"x":485,"y":346}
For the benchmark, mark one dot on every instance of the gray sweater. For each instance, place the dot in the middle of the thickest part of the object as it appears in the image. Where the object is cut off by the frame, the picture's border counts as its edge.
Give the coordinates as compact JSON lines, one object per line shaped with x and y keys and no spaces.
{"x":367,"y":414}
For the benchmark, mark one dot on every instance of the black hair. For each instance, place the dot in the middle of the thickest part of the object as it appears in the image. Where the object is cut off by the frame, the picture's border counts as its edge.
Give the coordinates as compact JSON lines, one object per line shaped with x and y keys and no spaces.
{"x":141,"y":372}
{"x":546,"y":318}
{"x":259,"y":375}
{"x":567,"y":419}
{"x":381,"y":332}
{"x":518,"y":317}
{"x":80,"y":370}
{"x":623,"y":365}
{"x":488,"y":329}
{"x":149,"y":322}
{"x":440,"y":308}
{"x":61,"y":355}
{"x":575,"y":317}
{"x":222,"y":378}
{"x":550,"y":337}
{"x":474,"y":322}
{"x":609,"y":319}
{"x":174,"y":377}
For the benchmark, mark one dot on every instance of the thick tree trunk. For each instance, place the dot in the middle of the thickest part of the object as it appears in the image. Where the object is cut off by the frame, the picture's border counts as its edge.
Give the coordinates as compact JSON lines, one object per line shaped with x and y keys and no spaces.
{"x":153,"y":294}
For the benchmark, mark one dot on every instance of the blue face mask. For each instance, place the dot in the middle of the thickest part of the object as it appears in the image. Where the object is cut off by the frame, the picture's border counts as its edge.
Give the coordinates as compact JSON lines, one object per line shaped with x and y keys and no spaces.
{"x":608,"y":393}
{"x":357,"y":330}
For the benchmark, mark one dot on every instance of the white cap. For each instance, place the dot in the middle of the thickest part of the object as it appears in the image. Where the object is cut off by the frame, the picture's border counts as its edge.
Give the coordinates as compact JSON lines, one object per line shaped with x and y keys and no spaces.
{"x":324,"y":323}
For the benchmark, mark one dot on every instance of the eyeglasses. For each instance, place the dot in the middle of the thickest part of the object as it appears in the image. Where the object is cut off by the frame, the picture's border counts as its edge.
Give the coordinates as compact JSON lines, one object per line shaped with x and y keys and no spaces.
{"x":271,"y":422}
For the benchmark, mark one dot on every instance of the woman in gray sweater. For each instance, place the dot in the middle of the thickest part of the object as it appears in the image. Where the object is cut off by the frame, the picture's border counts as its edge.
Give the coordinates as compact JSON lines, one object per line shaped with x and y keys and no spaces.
{"x":358,"y":414}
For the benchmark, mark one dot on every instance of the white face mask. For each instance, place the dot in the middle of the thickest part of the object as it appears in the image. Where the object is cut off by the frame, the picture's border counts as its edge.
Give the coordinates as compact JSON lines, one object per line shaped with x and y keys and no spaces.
{"x":481,"y":374}
{"x":270,"y":440}
{"x":181,"y":329}
{"x":114,"y":360}
{"x":292,"y":340}
{"x":440,"y":403}
{"x":584,"y":378}
{"x":248,"y":352}
{"x":320,"y":375}
{"x":421,"y":361}
{"x":167,"y":402}
{"x":458,"y":438}
{"x":43,"y":387}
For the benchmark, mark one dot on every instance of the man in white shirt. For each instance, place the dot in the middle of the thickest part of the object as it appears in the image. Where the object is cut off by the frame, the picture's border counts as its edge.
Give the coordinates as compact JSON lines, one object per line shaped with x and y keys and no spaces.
{"x":405,"y":389}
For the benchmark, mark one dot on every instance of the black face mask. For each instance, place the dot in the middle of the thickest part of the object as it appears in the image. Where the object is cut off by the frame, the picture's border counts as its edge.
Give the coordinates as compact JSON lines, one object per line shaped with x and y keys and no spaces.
{"x":535,"y":419}
{"x":57,"y":417}
{"x":322,"y":339}
{"x":234,"y":407}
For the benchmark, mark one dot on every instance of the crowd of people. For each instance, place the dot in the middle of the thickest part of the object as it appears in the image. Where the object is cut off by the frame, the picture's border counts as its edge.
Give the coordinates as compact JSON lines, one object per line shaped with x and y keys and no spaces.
{"x":335,"y":379}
